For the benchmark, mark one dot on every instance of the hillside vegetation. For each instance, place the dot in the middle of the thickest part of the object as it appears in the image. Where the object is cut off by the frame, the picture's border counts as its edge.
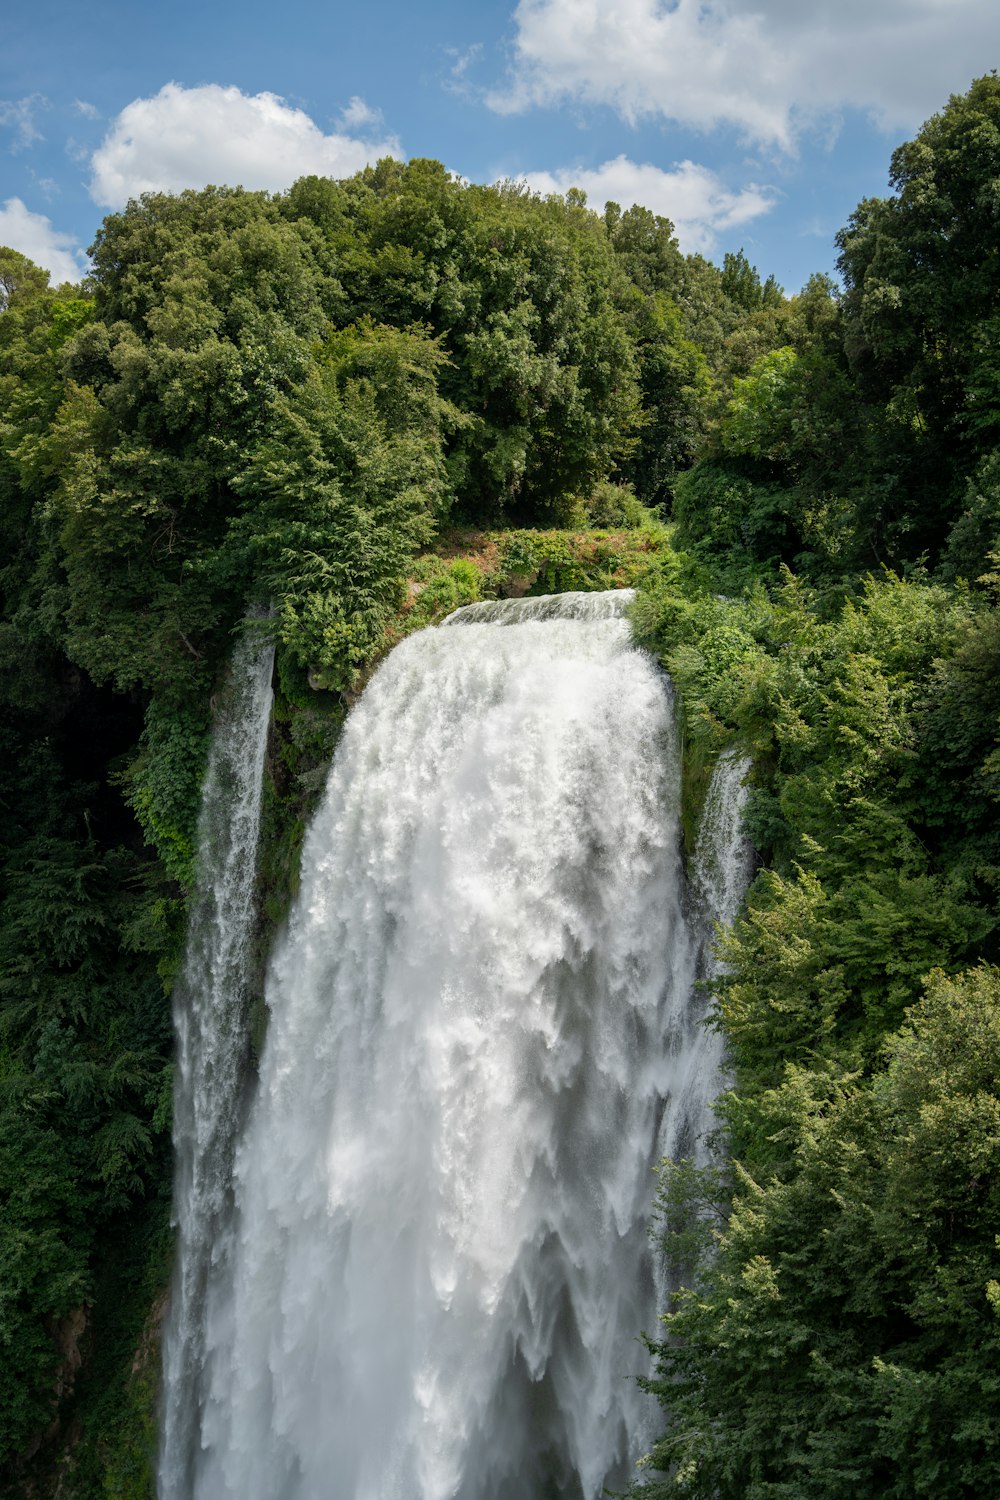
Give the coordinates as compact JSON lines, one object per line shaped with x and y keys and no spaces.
{"x":363,"y":403}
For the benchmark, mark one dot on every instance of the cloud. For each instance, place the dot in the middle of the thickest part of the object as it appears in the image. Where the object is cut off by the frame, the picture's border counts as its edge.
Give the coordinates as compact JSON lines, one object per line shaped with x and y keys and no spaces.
{"x":357,"y":114}
{"x":89,"y":111}
{"x":695,"y":199}
{"x":461,"y":64}
{"x":19,"y":115}
{"x":35,"y":237}
{"x":186,"y":138}
{"x":768,"y":68}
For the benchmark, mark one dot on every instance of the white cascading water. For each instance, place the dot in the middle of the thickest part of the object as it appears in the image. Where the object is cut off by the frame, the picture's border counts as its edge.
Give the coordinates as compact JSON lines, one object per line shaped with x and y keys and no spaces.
{"x":724,"y":857}
{"x":720,"y":873}
{"x":483,"y":1030}
{"x":210,"y":1003}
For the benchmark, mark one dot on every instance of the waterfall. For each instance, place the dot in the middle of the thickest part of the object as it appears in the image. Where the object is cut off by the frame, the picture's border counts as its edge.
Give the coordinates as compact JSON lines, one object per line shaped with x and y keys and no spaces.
{"x":723,"y":859}
{"x":210,"y":1023}
{"x":720,"y":873}
{"x":483,"y":1026}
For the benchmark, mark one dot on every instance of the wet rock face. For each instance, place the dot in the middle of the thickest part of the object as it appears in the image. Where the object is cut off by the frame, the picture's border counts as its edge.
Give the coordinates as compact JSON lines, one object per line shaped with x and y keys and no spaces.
{"x":68,"y":1335}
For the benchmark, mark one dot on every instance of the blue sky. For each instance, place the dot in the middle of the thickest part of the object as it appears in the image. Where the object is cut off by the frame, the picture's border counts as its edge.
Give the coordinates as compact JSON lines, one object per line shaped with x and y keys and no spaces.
{"x":753,"y":123}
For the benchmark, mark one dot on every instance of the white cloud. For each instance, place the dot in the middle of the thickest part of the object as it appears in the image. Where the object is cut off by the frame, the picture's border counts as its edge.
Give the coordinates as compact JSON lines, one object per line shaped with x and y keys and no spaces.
{"x":35,"y":237}
{"x":356,"y":114}
{"x":694,"y":198}
{"x":765,"y":67}
{"x":461,"y":64}
{"x":89,"y":111}
{"x":186,"y":138}
{"x":19,"y":114}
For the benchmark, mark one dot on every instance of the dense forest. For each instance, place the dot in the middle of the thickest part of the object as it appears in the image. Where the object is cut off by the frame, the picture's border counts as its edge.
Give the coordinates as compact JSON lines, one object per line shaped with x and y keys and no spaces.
{"x":361,"y":403}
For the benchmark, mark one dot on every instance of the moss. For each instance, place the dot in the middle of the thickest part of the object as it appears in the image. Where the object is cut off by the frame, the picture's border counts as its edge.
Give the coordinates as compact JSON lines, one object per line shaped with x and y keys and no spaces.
{"x":305,"y":726}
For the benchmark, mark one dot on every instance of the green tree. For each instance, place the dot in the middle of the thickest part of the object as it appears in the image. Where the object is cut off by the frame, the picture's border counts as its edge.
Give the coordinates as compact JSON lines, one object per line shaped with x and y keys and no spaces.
{"x":523,"y":293}
{"x":843,"y":1333}
{"x":742,"y":284}
{"x":207,"y":308}
{"x":349,"y":483}
{"x":922,"y":299}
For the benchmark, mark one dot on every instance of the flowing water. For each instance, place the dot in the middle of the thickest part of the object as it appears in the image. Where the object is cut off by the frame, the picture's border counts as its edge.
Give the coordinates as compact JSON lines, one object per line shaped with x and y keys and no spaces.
{"x":720,"y":873}
{"x":483,"y":1029}
{"x":210,"y":1003}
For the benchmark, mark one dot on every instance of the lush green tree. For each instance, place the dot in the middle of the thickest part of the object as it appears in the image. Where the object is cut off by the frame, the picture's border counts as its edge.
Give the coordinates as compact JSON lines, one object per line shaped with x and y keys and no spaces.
{"x":36,"y":325}
{"x":84,"y":1037}
{"x":646,"y":247}
{"x":676,"y":393}
{"x":20,"y":279}
{"x":844,"y":1328}
{"x":833,"y":1323}
{"x":523,"y":294}
{"x":955,"y":779}
{"x":922,"y":299}
{"x":349,"y":483}
{"x":208,"y":305}
{"x":742,"y":284}
{"x":973,"y":543}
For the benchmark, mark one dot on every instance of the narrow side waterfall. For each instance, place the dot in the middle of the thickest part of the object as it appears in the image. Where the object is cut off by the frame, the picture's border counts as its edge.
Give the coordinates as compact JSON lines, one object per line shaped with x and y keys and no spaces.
{"x":210,"y":1022}
{"x":723,"y":860}
{"x":483,"y":1027}
{"x":720,"y":873}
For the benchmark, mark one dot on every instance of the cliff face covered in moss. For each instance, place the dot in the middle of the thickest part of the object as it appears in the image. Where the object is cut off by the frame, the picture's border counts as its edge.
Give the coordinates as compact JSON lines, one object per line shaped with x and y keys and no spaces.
{"x":363,"y":404}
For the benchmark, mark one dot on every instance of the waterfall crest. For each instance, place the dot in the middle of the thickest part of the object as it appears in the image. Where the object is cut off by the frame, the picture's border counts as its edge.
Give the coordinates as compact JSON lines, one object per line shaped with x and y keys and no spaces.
{"x":480,"y":1031}
{"x":210,"y":1025}
{"x":603,"y":606}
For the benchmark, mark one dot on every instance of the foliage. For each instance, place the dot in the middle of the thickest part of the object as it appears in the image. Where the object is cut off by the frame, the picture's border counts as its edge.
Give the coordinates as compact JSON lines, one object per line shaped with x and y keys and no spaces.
{"x":342,"y":493}
{"x":833,"y":1325}
{"x":843,"y":1334}
{"x":742,"y":284}
{"x":921,"y":278}
{"x":163,"y":779}
{"x":974,"y":539}
{"x":305,"y":402}
{"x":523,"y":294}
{"x":83,"y":1078}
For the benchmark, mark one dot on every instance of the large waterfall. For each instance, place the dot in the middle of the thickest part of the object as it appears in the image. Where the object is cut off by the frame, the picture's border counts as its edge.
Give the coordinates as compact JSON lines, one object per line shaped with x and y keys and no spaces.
{"x":483,"y":1029}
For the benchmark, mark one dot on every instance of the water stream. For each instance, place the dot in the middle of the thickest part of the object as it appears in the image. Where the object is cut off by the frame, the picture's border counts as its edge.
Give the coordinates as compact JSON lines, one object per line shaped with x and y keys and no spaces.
{"x":210,"y":1005}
